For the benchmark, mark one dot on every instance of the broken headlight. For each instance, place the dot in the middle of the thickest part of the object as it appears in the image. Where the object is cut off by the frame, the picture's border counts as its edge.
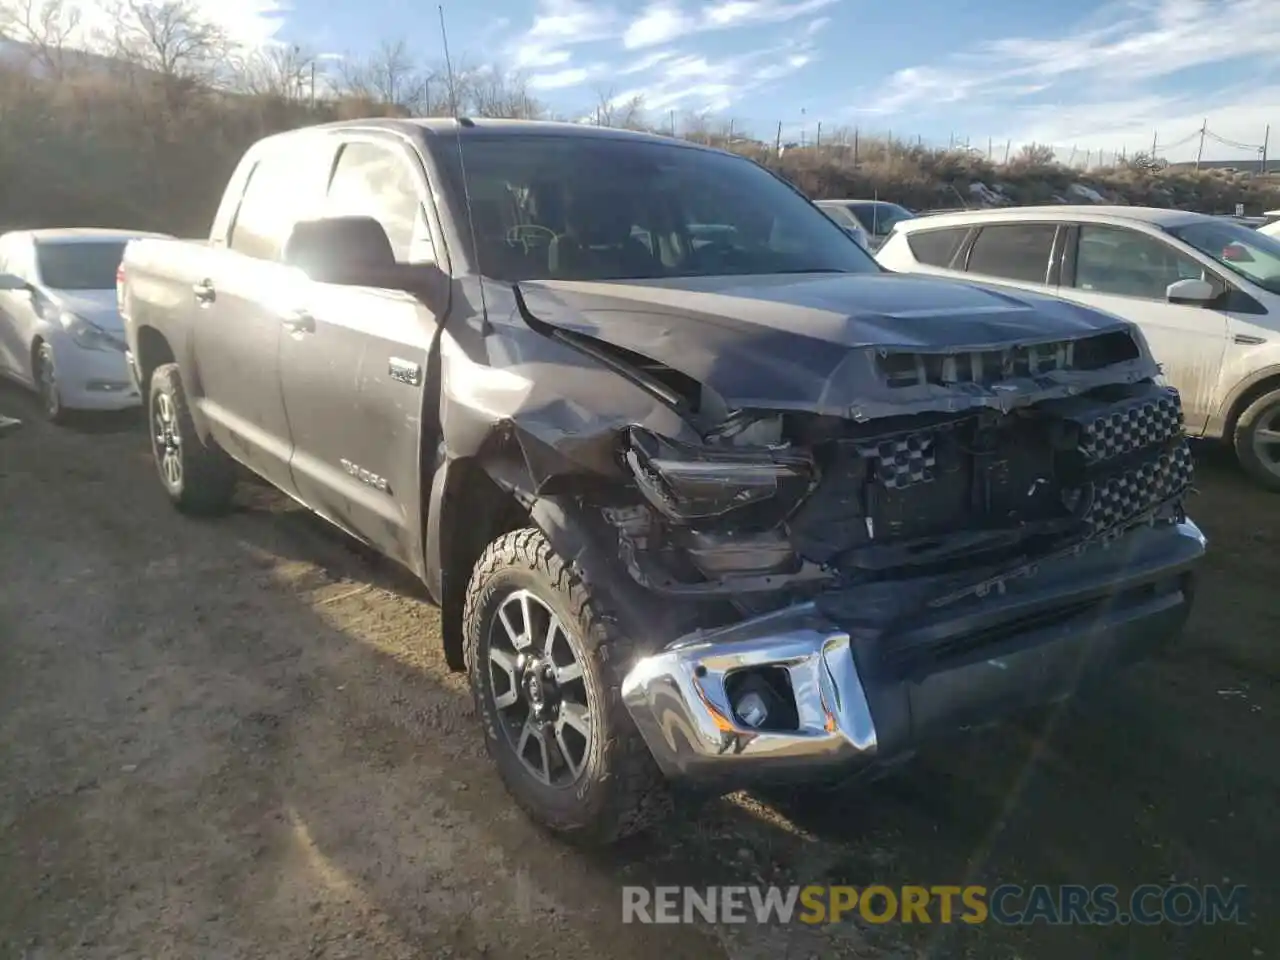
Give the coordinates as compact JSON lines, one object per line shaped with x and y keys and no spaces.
{"x":687,"y":482}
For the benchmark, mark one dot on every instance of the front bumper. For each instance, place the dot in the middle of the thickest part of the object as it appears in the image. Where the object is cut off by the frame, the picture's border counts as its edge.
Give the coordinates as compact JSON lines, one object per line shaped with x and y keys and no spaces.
{"x":866,"y":693}
{"x":93,"y":379}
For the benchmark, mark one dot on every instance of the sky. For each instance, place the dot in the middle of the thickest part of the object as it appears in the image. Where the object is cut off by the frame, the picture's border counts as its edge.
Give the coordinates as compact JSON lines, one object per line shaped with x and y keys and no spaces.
{"x":1085,"y":76}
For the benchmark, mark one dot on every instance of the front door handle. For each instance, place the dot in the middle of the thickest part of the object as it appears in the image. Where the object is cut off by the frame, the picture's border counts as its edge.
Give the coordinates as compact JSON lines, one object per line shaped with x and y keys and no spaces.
{"x":299,"y":321}
{"x":204,"y":292}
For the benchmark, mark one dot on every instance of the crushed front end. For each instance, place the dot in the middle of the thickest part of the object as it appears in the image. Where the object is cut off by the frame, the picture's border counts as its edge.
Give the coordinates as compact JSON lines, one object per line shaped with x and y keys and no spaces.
{"x":883,"y":576}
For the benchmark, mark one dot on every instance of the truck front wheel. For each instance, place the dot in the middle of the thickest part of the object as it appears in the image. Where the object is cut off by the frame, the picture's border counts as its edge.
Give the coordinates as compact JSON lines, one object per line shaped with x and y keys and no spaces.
{"x":199,"y":479}
{"x":542,"y":656}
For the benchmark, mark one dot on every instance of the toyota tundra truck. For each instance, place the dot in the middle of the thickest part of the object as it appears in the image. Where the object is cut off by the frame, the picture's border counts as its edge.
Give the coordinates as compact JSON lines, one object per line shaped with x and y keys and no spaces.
{"x":705,"y":496}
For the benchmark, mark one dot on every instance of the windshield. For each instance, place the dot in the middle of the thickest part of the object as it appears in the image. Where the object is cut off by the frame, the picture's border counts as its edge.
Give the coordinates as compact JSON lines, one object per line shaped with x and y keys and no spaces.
{"x":586,"y":208}
{"x":79,"y":266}
{"x":1247,"y":253}
{"x":879,"y":218}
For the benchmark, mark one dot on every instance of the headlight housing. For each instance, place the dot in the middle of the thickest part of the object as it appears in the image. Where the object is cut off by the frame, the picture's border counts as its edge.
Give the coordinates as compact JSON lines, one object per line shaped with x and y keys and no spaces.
{"x":88,"y":335}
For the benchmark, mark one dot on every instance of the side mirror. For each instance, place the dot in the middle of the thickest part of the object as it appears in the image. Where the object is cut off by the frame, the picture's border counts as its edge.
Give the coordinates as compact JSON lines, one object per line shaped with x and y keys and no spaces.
{"x":12,"y":284}
{"x":1191,"y":292}
{"x":355,"y":252}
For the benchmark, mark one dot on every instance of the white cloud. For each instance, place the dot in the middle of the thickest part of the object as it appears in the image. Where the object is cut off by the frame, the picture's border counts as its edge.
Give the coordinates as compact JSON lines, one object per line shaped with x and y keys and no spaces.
{"x":559,"y":79}
{"x":665,"y":20}
{"x":1138,"y":47}
{"x":558,"y":24}
{"x":659,"y":23}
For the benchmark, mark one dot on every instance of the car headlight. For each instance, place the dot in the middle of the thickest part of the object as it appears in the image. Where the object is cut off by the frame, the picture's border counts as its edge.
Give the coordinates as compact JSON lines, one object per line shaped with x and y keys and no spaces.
{"x":88,"y":335}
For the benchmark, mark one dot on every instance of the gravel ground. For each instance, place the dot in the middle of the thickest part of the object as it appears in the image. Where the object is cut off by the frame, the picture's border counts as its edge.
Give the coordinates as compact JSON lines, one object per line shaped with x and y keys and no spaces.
{"x":239,"y":739}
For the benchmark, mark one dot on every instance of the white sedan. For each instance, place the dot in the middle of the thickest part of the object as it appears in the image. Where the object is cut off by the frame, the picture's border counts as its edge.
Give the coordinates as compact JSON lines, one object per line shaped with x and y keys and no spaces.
{"x":60,"y":329}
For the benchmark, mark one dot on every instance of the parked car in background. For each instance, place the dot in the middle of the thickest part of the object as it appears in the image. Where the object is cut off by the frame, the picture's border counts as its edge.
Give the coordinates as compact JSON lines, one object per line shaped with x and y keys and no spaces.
{"x":846,"y":221}
{"x":60,"y":329}
{"x":876,"y":217}
{"x":1204,"y":290}
{"x":708,"y":511}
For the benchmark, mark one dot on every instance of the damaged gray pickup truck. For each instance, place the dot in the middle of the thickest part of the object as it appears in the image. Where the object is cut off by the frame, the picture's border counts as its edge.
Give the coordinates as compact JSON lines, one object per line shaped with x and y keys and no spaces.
{"x":704,"y":495}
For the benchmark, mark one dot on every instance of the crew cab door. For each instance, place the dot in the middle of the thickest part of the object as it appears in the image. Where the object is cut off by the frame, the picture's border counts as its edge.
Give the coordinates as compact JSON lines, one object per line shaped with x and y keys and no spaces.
{"x":17,"y":309}
{"x":1126,"y":272}
{"x":354,"y":361}
{"x":237,"y":318}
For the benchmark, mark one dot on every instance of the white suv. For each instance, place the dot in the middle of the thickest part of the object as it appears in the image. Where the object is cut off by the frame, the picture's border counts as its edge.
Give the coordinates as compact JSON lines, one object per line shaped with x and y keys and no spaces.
{"x":1205,"y":292}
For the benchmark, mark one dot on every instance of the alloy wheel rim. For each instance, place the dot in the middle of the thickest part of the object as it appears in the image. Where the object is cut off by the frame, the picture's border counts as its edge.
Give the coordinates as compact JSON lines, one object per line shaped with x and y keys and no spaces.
{"x":537,"y":686}
{"x":168,"y":443}
{"x":1266,"y":439}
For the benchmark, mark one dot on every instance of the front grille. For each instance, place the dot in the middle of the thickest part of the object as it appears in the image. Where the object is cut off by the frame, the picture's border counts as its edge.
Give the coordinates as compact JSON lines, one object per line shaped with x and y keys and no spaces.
{"x":988,"y":367}
{"x":1131,"y":493}
{"x":902,"y":461}
{"x":1127,"y":427}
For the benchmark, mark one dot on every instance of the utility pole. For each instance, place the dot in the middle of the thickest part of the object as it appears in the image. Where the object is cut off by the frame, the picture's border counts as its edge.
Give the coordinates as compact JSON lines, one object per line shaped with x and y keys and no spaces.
{"x":673,"y":123}
{"x":855,"y":146}
{"x":988,"y":148}
{"x":1008,"y":145}
{"x":313,"y":84}
{"x":777,"y":144}
{"x":731,"y":130}
{"x":1154,"y":135}
{"x":817,"y":143}
{"x":1266,"y":138}
{"x":1200,"y":150}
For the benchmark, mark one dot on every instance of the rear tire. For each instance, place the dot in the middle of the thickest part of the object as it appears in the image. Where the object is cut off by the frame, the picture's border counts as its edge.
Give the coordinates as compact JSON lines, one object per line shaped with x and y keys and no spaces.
{"x":595,"y":793}
{"x":199,"y":478}
{"x":1257,"y":440}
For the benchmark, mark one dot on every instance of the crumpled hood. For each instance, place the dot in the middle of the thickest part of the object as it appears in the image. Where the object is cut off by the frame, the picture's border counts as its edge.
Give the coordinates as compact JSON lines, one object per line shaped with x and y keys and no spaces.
{"x":808,"y":342}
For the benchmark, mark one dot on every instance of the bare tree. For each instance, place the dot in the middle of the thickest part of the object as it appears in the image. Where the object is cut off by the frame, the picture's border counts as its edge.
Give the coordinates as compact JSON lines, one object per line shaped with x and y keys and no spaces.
{"x":170,"y":38}
{"x":1036,"y":155}
{"x":285,"y":72}
{"x":45,"y":27}
{"x":491,"y":93}
{"x":627,"y":113}
{"x":387,"y":76}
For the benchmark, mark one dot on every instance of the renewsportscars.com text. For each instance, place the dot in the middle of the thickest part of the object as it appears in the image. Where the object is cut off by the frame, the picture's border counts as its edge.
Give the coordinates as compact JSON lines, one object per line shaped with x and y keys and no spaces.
{"x":1007,"y":904}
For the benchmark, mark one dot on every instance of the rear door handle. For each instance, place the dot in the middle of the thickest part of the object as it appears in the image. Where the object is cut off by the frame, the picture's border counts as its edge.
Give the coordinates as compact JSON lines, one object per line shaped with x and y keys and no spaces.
{"x":299,"y":321}
{"x":204,"y":292}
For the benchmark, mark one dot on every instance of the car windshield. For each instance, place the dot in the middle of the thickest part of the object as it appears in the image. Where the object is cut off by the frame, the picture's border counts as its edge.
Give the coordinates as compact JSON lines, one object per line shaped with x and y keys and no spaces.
{"x":1245,"y":252}
{"x":879,"y":218}
{"x":588,"y":208}
{"x":79,"y":265}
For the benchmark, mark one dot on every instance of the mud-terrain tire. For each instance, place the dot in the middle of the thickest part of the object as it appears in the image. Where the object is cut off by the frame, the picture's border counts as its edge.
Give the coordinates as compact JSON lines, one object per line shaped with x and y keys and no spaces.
{"x":1261,"y":415}
{"x":617,"y":789}
{"x":199,"y":478}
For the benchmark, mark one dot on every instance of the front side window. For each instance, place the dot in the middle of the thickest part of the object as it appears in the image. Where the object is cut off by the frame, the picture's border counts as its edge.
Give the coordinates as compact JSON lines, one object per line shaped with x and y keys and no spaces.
{"x":589,"y":208}
{"x":1123,"y":262}
{"x":375,"y":181}
{"x":80,"y":265}
{"x":1246,"y":253}
{"x":1013,"y":251}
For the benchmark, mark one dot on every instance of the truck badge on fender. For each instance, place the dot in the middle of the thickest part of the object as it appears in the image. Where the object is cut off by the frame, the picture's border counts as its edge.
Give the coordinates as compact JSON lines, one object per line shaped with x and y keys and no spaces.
{"x":364,"y":476}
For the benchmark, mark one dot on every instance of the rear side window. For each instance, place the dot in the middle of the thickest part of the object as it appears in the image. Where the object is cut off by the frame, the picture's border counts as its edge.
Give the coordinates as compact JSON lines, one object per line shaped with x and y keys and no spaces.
{"x":1013,"y":251}
{"x":286,"y":185}
{"x":936,"y":248}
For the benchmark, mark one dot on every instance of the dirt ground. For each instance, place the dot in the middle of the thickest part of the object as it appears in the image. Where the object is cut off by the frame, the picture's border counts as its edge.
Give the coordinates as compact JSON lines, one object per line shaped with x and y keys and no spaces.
{"x":239,"y":739}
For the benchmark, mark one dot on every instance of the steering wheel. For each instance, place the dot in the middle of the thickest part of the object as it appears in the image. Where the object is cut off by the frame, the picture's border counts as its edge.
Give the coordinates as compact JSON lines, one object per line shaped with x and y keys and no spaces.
{"x":519,"y":234}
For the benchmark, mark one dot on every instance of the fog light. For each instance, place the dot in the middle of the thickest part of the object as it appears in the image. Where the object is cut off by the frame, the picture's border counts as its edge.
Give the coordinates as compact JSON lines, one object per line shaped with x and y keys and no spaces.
{"x":751,"y":709}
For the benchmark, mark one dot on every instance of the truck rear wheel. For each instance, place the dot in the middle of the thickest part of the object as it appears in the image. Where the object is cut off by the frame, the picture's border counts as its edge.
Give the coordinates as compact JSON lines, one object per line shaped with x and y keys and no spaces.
{"x":1257,"y":440}
{"x":541,"y":656}
{"x":199,"y":478}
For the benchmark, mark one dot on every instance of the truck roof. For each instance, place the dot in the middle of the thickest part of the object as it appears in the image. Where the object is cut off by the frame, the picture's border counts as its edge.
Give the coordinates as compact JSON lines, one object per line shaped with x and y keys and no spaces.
{"x":478,"y":127}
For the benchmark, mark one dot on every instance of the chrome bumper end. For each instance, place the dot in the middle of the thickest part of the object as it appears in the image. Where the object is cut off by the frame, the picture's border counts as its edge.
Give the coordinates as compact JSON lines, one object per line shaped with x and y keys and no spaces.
{"x":680,"y":704}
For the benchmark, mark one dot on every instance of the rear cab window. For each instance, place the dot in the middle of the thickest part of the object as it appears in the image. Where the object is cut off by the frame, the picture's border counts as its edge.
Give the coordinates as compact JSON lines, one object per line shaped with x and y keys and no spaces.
{"x":1013,"y":251}
{"x":286,"y":184}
